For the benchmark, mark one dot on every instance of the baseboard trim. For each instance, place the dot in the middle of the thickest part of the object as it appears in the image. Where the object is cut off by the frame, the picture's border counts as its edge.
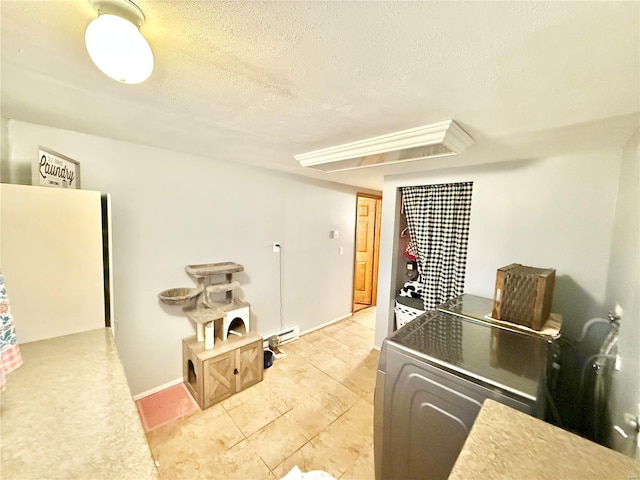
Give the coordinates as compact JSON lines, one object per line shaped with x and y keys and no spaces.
{"x":330,"y":322}
{"x":157,"y":389}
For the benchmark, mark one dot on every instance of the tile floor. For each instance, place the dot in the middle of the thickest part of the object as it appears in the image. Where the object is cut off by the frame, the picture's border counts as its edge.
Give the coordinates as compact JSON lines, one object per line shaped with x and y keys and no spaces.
{"x":314,"y":409}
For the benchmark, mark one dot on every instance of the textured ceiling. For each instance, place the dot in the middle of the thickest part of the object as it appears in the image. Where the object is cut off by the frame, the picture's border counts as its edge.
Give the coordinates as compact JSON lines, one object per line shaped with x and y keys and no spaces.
{"x":257,"y":82}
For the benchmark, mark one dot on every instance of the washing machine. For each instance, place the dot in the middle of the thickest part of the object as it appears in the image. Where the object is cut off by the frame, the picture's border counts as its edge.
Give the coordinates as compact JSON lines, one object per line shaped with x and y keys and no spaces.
{"x":433,"y":376}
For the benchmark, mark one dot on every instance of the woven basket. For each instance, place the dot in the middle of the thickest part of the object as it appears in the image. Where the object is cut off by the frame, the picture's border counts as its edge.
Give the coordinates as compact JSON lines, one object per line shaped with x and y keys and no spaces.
{"x":405,"y":314}
{"x":523,"y":295}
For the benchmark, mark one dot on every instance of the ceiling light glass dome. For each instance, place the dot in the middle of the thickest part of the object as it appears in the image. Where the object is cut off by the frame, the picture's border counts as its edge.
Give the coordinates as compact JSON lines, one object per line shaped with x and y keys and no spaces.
{"x":118,"y":48}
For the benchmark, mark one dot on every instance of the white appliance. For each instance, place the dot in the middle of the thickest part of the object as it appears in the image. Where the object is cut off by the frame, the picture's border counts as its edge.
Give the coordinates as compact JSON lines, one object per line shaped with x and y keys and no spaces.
{"x":51,"y":255}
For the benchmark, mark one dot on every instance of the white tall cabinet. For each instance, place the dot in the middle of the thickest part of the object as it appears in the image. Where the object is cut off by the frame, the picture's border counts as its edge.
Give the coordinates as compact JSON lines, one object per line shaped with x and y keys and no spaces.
{"x":51,"y":258}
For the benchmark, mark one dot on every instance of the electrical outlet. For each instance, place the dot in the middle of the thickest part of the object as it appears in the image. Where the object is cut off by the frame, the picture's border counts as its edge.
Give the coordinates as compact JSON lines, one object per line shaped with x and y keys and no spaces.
{"x":276,"y":247}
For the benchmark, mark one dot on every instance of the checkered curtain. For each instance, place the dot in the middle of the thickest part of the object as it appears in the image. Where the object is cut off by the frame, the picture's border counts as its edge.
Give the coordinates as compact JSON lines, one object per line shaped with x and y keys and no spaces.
{"x":438,"y":219}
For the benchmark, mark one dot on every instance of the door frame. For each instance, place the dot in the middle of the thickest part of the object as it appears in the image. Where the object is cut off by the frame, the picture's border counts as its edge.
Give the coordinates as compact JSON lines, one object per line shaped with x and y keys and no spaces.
{"x":376,"y":249}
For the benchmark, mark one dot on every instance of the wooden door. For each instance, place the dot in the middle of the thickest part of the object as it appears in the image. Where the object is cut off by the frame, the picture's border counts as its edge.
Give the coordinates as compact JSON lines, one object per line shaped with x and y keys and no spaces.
{"x":366,"y":247}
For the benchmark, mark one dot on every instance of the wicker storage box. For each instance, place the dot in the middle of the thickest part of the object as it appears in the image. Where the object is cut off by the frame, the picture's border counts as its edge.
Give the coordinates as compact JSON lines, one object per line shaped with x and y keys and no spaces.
{"x":523,"y":295}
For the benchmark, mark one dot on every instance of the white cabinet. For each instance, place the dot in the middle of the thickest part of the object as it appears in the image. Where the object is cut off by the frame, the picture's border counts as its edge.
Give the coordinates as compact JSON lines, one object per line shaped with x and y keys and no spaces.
{"x":52,"y":260}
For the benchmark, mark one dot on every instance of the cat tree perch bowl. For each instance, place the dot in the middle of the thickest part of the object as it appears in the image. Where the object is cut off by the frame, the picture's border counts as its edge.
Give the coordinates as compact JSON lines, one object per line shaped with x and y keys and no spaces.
{"x":179,"y":296}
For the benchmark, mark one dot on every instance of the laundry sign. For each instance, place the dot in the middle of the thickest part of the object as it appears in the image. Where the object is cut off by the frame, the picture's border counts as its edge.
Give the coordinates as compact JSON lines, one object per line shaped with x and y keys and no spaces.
{"x":55,"y":170}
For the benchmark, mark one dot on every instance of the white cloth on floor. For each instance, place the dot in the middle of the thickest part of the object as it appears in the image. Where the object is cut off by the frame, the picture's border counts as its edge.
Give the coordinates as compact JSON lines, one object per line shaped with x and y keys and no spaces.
{"x":297,"y":474}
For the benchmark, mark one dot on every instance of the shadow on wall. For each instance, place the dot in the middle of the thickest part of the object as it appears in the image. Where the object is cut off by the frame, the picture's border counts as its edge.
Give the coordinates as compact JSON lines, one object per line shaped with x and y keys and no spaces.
{"x":18,"y":175}
{"x":575,"y":304}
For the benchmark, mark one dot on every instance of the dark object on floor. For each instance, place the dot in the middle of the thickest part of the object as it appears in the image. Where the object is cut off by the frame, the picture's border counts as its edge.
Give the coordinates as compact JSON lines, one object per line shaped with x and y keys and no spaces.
{"x":269,"y":357}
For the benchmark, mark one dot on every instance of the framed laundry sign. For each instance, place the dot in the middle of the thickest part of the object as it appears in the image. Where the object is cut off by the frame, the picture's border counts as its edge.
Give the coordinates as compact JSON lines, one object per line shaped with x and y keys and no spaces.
{"x":55,"y":170}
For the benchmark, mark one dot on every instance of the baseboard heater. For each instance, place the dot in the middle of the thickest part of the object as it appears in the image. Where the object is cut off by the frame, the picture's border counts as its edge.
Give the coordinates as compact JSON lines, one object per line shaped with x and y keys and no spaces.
{"x":284,"y":336}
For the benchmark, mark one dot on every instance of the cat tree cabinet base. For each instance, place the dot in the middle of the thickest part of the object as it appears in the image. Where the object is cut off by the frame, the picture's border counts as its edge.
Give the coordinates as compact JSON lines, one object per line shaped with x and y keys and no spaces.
{"x":232,"y":366}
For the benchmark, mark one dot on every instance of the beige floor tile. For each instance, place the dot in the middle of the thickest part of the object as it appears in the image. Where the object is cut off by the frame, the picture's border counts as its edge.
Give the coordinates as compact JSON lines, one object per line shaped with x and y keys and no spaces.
{"x":290,"y":365}
{"x":175,"y":459}
{"x":334,"y":367}
{"x":285,"y":390}
{"x":362,"y":469}
{"x":360,"y":380}
{"x":203,"y":417}
{"x":370,"y":397}
{"x":277,"y":441}
{"x":191,"y":444}
{"x":174,"y":455}
{"x":283,"y":395}
{"x":320,"y":393}
{"x":356,"y":330}
{"x":239,"y":462}
{"x":356,"y":356}
{"x":357,"y":377}
{"x":343,"y":443}
{"x":354,"y":342}
{"x":310,"y":378}
{"x":360,"y":416}
{"x":310,"y":416}
{"x":284,"y":370}
{"x":186,"y":467}
{"x":335,"y":397}
{"x":166,"y":433}
{"x":361,"y":357}
{"x":307,"y":350}
{"x":366,"y":318}
{"x":218,"y":433}
{"x":373,"y":358}
{"x":330,"y":346}
{"x":334,"y":328}
{"x":310,"y":457}
{"x":312,"y":336}
{"x":254,"y":414}
{"x":238,"y":399}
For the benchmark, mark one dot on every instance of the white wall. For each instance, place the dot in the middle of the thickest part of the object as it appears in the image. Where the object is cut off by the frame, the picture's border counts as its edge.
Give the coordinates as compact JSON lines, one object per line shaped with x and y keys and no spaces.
{"x":553,"y":212}
{"x":171,"y":209}
{"x":623,"y":289}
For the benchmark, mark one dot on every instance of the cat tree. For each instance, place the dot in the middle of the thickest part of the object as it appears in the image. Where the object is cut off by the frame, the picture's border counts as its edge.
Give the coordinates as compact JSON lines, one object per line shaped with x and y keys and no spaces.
{"x":212,"y":306}
{"x":211,"y":375}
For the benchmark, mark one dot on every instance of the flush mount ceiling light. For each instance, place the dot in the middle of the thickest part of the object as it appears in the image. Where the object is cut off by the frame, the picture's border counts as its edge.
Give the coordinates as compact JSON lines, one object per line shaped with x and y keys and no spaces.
{"x":436,"y":140}
{"x":115,"y":44}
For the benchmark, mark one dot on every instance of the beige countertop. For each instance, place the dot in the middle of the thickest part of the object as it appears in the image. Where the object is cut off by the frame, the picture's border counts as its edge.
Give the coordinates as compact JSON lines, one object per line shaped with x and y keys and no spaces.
{"x":68,"y":413}
{"x":505,"y":444}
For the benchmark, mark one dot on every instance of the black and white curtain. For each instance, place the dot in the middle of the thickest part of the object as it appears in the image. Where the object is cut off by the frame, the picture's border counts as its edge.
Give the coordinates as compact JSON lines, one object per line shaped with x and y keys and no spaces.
{"x":438,"y":219}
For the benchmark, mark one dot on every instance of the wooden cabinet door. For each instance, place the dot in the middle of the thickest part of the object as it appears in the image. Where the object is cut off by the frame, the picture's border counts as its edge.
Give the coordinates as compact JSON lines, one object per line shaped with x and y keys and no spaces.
{"x":249,"y":365}
{"x":219,"y":378}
